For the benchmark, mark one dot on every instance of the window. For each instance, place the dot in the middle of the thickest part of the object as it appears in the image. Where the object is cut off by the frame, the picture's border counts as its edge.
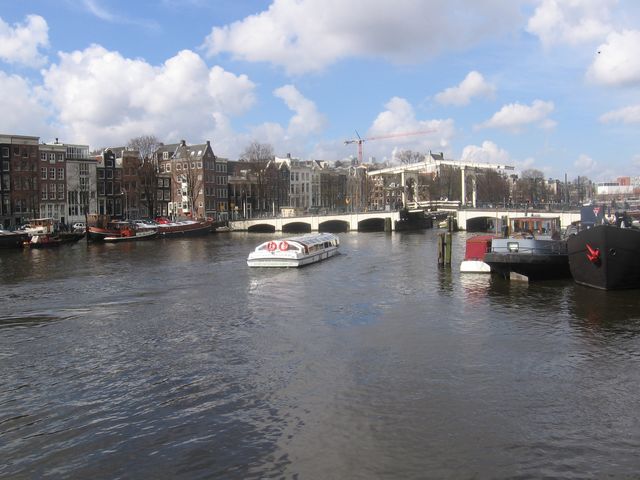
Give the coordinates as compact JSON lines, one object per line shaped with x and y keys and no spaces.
{"x":178,"y":166}
{"x":43,"y":156}
{"x":52,"y":157}
{"x":52,"y":173}
{"x":60,"y":157}
{"x":52,"y":193}
{"x":60,"y":191}
{"x":43,"y":173}
{"x":168,"y":167}
{"x":109,"y":174}
{"x":84,"y":169}
{"x":43,"y":190}
{"x":101,"y":173}
{"x":61,"y":174}
{"x":165,"y":155}
{"x":5,"y":152}
{"x":5,"y":165}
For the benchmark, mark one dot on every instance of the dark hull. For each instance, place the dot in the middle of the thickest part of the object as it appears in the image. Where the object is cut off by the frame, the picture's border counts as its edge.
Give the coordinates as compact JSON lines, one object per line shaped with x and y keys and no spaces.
{"x":617,"y":265}
{"x":13,"y":240}
{"x":56,"y":240}
{"x":95,"y":234}
{"x":185,"y":231}
{"x":535,"y":267}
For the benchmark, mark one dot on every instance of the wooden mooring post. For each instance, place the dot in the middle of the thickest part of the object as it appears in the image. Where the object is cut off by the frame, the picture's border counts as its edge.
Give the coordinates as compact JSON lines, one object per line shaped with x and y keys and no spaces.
{"x":444,"y":249}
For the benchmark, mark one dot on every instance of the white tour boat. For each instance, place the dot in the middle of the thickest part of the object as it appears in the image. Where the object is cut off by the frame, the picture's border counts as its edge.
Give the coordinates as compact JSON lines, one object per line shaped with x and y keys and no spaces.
{"x":294,"y":251}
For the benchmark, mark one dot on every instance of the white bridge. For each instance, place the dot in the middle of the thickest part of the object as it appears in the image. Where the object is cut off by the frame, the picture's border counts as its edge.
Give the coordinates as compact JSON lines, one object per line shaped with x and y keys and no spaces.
{"x":466,"y":216}
{"x":335,"y":222}
{"x":346,"y":222}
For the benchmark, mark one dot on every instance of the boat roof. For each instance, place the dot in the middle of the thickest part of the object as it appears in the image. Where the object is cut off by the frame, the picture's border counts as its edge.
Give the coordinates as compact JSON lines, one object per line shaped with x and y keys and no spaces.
{"x":310,"y":238}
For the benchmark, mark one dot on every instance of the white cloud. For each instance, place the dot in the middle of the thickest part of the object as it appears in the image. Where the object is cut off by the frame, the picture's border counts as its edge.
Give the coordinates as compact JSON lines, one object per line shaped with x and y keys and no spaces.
{"x":21,"y":43}
{"x":97,"y":9}
{"x":308,"y":35}
{"x":489,"y":152}
{"x":27,"y":115}
{"x":629,"y":114}
{"x":585,"y":164}
{"x":571,"y":21}
{"x":515,"y":116}
{"x":617,"y":62}
{"x":474,"y":85}
{"x":104,"y":98}
{"x":307,"y":119}
{"x":398,"y":127}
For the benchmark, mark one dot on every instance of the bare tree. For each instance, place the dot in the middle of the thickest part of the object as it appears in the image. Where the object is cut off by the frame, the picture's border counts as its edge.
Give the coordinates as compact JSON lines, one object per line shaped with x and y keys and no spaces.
{"x":146,"y":145}
{"x":492,"y":187}
{"x":531,"y":186}
{"x":193,"y":179}
{"x":147,"y":173}
{"x":148,"y":184}
{"x":258,"y":155}
{"x":407,"y":157}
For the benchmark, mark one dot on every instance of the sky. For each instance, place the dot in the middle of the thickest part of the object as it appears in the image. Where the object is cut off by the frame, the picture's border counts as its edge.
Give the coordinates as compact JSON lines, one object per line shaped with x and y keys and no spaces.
{"x":552,"y":85}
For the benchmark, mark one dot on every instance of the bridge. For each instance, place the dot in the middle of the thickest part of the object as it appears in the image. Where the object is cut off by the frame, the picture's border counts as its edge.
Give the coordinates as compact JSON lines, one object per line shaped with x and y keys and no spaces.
{"x":340,"y":222}
{"x":470,"y":218}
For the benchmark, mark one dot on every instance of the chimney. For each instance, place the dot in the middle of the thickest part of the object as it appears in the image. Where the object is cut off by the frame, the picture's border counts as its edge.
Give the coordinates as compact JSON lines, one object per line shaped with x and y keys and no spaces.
{"x":56,"y":140}
{"x":183,"y":143}
{"x":208,"y":143}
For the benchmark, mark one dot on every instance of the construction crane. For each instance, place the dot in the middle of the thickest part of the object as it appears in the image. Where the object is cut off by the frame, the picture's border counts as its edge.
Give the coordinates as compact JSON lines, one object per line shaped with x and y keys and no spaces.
{"x":361,"y":140}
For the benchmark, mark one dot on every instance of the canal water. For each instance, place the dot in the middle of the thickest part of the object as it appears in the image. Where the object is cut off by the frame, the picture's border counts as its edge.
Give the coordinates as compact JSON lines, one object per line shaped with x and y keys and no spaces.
{"x":172,"y":359}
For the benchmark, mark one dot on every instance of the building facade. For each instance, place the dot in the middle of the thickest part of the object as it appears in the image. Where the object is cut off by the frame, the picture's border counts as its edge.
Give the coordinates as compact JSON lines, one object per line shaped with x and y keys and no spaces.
{"x":20,"y":189}
{"x":53,"y":181}
{"x":81,"y":183}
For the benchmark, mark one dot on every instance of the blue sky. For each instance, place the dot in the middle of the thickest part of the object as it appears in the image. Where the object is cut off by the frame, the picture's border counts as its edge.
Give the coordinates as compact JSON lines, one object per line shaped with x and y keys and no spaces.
{"x":546,"y":84}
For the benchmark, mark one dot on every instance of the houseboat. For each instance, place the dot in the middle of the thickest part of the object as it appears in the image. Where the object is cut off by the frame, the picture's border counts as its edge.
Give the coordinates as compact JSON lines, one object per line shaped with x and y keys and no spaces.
{"x":475,"y":250}
{"x":10,"y":239}
{"x":46,"y":232}
{"x":185,"y":228}
{"x":534,"y":250}
{"x":294,"y":251}
{"x":605,"y":256}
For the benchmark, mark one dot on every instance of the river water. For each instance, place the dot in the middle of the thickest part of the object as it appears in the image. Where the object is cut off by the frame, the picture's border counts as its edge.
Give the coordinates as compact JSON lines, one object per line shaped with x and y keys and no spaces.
{"x":172,"y":359}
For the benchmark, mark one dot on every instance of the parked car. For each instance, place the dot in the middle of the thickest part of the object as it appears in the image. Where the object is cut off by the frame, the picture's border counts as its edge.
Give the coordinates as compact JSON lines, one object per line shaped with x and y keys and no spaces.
{"x":79,"y":227}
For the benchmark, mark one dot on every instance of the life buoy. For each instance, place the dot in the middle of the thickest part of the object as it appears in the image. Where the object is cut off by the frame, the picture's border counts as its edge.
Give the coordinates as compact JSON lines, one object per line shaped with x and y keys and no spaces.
{"x":284,"y":246}
{"x":271,"y":246}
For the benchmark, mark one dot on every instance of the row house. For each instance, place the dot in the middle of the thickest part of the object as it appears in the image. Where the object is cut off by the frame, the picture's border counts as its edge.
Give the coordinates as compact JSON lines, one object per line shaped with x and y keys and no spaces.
{"x":19,"y":180}
{"x":53,"y":179}
{"x":198,"y":178}
{"x":80,"y":182}
{"x":109,"y":184}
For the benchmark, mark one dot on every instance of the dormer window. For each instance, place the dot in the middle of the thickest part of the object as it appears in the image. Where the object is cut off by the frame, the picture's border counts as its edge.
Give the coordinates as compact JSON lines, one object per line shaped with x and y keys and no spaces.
{"x":165,"y":155}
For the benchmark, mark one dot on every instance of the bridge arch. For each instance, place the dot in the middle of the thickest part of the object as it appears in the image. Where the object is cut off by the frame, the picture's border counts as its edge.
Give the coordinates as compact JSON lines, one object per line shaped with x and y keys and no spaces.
{"x":334,"y":226}
{"x":296,"y":227}
{"x":262,"y":228}
{"x":374,"y":224}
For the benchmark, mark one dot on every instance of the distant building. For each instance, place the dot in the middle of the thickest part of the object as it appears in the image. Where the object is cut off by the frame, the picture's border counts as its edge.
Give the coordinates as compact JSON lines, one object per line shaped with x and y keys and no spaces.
{"x":53,"y":181}
{"x":109,"y":184}
{"x":19,"y":179}
{"x":81,"y":183}
{"x":198,"y":179}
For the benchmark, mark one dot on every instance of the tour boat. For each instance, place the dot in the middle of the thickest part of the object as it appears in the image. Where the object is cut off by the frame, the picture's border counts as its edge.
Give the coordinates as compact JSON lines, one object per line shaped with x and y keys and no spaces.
{"x":534,"y":251}
{"x":475,"y":250}
{"x":605,"y":257}
{"x":294,"y":251}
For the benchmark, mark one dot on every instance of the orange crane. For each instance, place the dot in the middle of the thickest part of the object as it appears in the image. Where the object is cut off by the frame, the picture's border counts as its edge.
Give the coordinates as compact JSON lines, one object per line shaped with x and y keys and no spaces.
{"x":361,"y":140}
